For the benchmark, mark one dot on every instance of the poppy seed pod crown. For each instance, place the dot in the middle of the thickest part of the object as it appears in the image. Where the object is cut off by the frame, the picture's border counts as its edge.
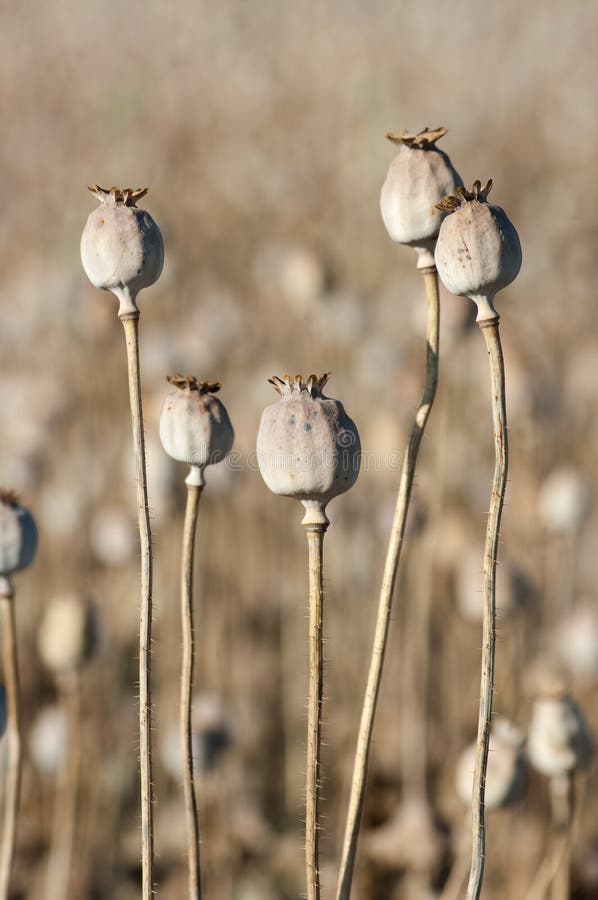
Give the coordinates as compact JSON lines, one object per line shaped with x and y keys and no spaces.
{"x":121,"y":246}
{"x":418,"y":178}
{"x":307,"y":446}
{"x":194,"y":425}
{"x":478,"y":250}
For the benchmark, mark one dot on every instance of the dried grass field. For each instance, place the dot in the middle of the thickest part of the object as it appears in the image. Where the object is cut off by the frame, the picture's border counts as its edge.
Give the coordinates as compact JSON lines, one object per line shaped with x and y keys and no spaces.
{"x":260,"y":131}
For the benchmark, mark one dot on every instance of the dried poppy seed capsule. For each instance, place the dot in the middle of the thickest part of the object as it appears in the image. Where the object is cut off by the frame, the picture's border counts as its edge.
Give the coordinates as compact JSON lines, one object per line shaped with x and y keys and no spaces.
{"x":418,"y":178}
{"x":558,"y":740}
{"x":194,"y":425}
{"x":478,"y":250}
{"x":506,"y":776}
{"x":67,"y":637}
{"x":18,"y":535}
{"x":576,"y":641}
{"x":307,"y":446}
{"x":48,"y":738}
{"x":121,"y":246}
{"x":565,"y":501}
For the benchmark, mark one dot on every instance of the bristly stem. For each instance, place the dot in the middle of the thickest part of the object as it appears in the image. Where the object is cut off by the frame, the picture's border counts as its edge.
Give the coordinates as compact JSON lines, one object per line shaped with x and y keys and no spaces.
{"x":490,"y":330}
{"x":192,"y":818}
{"x":393,"y":555}
{"x":562,"y":797}
{"x":315,"y":540}
{"x":130,"y":324}
{"x":59,"y":871}
{"x":554,"y":869}
{"x":13,"y":735}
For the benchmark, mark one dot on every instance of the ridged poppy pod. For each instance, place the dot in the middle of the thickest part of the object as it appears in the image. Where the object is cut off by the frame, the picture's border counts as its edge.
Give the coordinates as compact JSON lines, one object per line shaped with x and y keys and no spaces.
{"x":565,"y":501}
{"x":121,"y":246}
{"x":418,"y":178}
{"x":194,"y":429}
{"x":18,"y":535}
{"x":507,"y":771}
{"x":576,"y":641}
{"x":68,"y":634}
{"x":410,"y":839}
{"x":307,"y":446}
{"x":478,"y":250}
{"x":194,"y":425}
{"x":122,"y":252}
{"x":558,"y":738}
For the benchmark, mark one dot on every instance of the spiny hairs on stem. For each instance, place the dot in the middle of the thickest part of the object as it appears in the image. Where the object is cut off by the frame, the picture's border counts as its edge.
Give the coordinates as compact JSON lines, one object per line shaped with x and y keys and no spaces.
{"x":463,"y":196}
{"x":422,"y":141}
{"x":190,"y":382}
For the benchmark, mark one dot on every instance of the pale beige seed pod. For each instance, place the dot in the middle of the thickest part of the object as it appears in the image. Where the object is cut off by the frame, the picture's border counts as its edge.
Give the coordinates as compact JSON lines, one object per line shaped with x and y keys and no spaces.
{"x":558,"y":741}
{"x":409,"y":839}
{"x":565,"y":501}
{"x":122,"y":250}
{"x":112,"y":536}
{"x":48,"y":738}
{"x":512,"y":588}
{"x":307,"y":446}
{"x":18,"y":535}
{"x":194,"y":425}
{"x":212,"y":735}
{"x":478,"y":252}
{"x":576,"y":641}
{"x":67,"y":638}
{"x":418,"y":178}
{"x":506,"y":776}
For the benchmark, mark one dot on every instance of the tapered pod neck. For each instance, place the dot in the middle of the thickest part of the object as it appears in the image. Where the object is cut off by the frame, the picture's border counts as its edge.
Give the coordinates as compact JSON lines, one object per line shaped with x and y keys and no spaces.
{"x":315,"y":518}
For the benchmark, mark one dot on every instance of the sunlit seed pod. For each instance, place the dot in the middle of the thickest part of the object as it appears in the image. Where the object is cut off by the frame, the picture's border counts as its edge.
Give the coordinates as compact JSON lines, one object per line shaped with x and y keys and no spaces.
{"x":565,"y":501}
{"x":121,"y":246}
{"x":48,"y":738}
{"x":478,"y":252}
{"x":194,"y":425}
{"x":122,"y":251}
{"x":171,"y":752}
{"x":307,"y":446}
{"x":211,"y":737}
{"x":506,"y":776}
{"x":512,"y":588}
{"x":558,"y":741}
{"x":61,"y":508}
{"x":576,"y":641}
{"x":112,"y":536}
{"x":410,"y":839}
{"x":291,"y":273}
{"x":418,"y":178}
{"x":213,"y":727}
{"x":18,"y":535}
{"x":68,"y":634}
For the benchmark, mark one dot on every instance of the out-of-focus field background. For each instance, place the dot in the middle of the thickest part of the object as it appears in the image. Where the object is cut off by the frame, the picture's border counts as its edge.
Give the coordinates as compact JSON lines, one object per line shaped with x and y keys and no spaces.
{"x":260,"y":131}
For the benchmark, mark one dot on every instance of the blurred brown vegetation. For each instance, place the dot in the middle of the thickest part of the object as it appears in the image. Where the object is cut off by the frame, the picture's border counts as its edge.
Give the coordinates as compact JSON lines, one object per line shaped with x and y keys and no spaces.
{"x":260,"y":131}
